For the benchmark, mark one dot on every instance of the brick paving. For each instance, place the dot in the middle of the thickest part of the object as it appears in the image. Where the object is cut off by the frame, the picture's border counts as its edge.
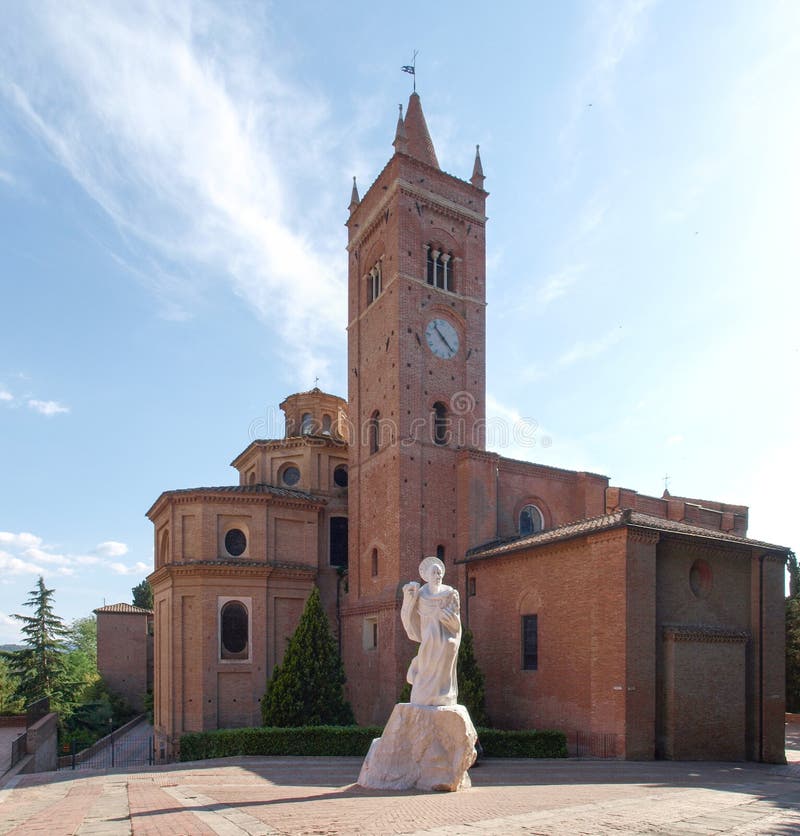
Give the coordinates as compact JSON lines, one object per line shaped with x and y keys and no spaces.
{"x":256,"y":796}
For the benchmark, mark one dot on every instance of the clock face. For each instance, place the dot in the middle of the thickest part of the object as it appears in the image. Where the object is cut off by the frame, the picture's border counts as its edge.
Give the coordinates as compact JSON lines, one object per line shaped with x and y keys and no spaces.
{"x":442,"y":338}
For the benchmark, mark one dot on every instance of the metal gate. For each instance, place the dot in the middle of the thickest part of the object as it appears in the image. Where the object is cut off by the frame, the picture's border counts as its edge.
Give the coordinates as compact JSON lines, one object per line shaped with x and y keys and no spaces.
{"x":114,"y":751}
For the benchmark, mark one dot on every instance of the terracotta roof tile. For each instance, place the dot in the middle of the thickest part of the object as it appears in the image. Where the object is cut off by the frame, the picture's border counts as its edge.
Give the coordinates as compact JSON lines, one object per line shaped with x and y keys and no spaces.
{"x":124,"y":608}
{"x":623,"y":517}
{"x":250,"y":490}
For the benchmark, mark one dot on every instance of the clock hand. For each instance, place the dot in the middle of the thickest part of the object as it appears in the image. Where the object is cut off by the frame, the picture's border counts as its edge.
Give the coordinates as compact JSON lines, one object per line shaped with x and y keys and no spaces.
{"x":444,"y":339}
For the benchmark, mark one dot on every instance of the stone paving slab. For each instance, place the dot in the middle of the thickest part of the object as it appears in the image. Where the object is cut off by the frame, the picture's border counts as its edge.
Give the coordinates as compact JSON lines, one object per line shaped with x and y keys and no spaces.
{"x":258,"y":796}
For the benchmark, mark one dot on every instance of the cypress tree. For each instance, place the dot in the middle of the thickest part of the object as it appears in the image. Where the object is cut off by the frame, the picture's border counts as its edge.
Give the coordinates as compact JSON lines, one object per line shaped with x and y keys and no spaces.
{"x":306,"y":688}
{"x":793,"y":637}
{"x":471,"y":681}
{"x":143,"y":595}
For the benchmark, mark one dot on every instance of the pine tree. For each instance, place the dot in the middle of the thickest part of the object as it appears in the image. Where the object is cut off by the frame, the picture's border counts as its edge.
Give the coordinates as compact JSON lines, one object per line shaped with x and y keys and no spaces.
{"x":39,"y":666}
{"x":143,"y":595}
{"x":306,"y":688}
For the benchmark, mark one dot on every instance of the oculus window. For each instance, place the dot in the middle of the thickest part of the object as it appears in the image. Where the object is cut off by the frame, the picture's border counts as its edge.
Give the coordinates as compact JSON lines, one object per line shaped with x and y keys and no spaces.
{"x":340,"y":476}
{"x":290,"y":475}
{"x":235,"y":542}
{"x":530,"y":520}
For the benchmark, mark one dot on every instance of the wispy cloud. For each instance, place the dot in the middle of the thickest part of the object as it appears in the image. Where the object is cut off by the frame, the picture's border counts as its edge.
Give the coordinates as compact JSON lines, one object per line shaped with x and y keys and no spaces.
{"x":111,"y":548}
{"x":24,"y":553}
{"x":138,"y":568}
{"x":5,"y":395}
{"x":48,"y":408}
{"x":168,"y":117}
{"x":556,"y":285}
{"x":614,"y":29}
{"x":583,"y":350}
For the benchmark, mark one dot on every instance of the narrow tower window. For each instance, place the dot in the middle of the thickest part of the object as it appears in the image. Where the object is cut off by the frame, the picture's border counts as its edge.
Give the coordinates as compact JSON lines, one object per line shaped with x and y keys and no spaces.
{"x":440,"y":552}
{"x":374,"y":563}
{"x":306,"y":424}
{"x":374,"y":427}
{"x":374,"y":283}
{"x":530,"y":642}
{"x":441,"y":423}
{"x":439,"y":268}
{"x":338,"y":532}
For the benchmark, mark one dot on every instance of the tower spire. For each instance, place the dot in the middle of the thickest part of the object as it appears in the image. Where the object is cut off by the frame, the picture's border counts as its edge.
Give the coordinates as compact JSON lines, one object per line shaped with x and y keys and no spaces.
{"x":477,"y":170}
{"x":354,"y":198}
{"x":420,"y":145}
{"x":400,"y":137}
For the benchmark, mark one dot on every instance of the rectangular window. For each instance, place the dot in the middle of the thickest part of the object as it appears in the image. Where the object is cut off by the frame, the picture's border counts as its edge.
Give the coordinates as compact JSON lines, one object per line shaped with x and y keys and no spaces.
{"x":369,"y":634}
{"x":338,"y":544}
{"x":472,"y":590}
{"x":530,"y":642}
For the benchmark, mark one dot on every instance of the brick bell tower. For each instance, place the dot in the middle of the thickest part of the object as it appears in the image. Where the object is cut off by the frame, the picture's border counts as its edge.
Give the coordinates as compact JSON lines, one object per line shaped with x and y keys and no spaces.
{"x":416,"y":379}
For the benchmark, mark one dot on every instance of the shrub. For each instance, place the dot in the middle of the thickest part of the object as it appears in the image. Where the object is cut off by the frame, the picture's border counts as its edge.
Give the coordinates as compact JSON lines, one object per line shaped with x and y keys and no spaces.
{"x":523,"y":744}
{"x":319,"y":741}
{"x":306,"y":688}
{"x":354,"y":741}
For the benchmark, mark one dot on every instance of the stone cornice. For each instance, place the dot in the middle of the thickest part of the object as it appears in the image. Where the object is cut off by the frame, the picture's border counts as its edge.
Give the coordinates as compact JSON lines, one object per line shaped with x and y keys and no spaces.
{"x":238,"y":568}
{"x":688,"y":545}
{"x":193,"y":495}
{"x":440,"y":303}
{"x":290,"y":443}
{"x":443,"y":205}
{"x":532,"y":468}
{"x":644,"y":535}
{"x":470,"y":453}
{"x":706,"y":633}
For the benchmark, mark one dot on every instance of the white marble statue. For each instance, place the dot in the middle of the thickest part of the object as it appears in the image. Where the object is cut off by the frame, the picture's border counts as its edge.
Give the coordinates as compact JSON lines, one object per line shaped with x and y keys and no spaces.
{"x":429,"y":743}
{"x":430,"y":615}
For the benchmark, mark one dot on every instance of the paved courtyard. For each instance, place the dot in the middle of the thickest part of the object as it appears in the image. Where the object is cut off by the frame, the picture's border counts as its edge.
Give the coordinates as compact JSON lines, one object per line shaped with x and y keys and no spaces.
{"x":257,"y":795}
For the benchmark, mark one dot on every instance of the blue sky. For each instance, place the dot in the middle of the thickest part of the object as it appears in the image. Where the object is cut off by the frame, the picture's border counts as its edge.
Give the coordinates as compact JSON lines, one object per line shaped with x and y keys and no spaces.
{"x":173,"y":187}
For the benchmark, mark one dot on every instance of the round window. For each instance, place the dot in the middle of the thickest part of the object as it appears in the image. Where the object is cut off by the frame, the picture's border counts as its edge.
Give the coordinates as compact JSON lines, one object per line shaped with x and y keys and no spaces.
{"x":340,"y":476}
{"x":235,"y":542}
{"x":291,"y":475}
{"x":700,"y":579}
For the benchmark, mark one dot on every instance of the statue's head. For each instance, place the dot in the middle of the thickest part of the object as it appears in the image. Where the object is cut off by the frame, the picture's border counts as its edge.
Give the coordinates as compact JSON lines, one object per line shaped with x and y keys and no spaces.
{"x":426,"y":570}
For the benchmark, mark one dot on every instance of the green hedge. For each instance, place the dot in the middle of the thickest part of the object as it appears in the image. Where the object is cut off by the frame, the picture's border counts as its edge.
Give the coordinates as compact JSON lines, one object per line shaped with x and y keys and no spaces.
{"x":322,"y":741}
{"x":305,"y":740}
{"x":523,"y":744}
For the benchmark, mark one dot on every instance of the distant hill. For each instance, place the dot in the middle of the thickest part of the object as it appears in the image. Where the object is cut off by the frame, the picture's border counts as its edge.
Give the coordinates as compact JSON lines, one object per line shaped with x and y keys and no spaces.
{"x":11,"y":646}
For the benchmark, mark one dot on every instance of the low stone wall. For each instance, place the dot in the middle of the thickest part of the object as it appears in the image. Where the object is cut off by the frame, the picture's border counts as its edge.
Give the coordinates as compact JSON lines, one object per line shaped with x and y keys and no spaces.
{"x":10,"y":721}
{"x":42,"y":743}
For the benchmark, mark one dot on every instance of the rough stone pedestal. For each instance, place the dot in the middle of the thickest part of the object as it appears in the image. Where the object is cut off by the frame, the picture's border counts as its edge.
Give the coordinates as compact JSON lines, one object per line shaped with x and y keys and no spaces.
{"x":426,"y":747}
